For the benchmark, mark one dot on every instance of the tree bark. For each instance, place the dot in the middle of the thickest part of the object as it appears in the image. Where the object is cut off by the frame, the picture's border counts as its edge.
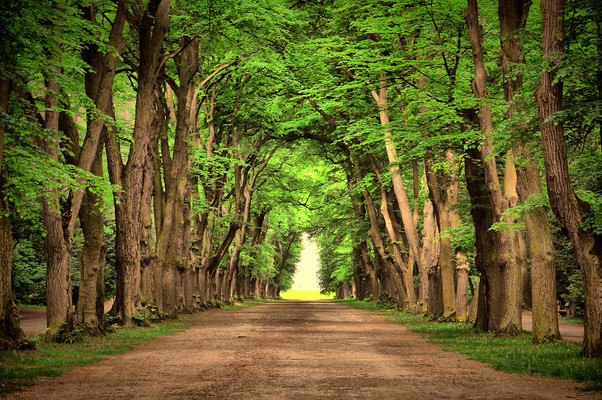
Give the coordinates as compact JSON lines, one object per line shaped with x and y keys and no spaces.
{"x":486,"y":244}
{"x":568,"y":208}
{"x":504,"y":281}
{"x":10,"y":331}
{"x":376,"y":237}
{"x":154,"y":22}
{"x":404,"y":264}
{"x":57,"y":243}
{"x":170,"y":240}
{"x":443,"y":192}
{"x":381,"y":99}
{"x":513,"y":17}
{"x":93,"y":257}
{"x":430,"y":257}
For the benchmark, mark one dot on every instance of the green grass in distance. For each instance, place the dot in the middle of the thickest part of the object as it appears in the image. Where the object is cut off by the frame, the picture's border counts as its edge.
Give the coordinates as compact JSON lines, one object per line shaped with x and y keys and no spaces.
{"x":305,"y":295}
{"x":513,"y":354}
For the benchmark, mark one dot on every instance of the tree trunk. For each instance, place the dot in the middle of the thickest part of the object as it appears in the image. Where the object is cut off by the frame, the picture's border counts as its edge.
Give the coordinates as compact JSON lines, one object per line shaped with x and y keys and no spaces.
{"x":543,"y":270}
{"x":443,"y":192}
{"x":376,"y":237}
{"x":153,"y":25}
{"x":381,"y":99}
{"x":513,"y":17}
{"x":430,"y":257}
{"x":462,"y":268}
{"x":10,"y":332}
{"x":170,"y":242}
{"x":57,"y":245}
{"x":567,"y":207}
{"x":486,"y":244}
{"x":93,"y":257}
{"x":504,"y":281}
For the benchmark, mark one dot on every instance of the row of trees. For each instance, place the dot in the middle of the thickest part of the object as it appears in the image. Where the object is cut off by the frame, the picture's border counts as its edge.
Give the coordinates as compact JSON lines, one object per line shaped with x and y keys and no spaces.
{"x":403,"y":135}
{"x":147,"y":125}
{"x":442,"y":114}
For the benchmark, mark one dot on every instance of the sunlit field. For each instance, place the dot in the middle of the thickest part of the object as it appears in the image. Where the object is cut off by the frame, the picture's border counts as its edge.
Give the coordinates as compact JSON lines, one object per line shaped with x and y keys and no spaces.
{"x":305,"y":295}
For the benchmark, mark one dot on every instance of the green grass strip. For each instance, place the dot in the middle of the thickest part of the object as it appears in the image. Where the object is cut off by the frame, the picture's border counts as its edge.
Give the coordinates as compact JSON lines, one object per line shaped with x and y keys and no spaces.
{"x":512,"y":354}
{"x":19,"y":368}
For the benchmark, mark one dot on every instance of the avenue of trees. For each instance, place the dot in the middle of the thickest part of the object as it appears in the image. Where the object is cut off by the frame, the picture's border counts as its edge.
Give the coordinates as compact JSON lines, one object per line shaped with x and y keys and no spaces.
{"x":446,"y":156}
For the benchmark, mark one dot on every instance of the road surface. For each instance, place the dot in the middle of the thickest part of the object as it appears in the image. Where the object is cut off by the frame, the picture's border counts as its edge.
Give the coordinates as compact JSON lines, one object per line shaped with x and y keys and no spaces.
{"x":295,"y":350}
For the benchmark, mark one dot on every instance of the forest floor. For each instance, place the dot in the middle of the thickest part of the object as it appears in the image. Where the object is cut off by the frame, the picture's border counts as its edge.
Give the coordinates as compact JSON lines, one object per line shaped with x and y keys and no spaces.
{"x":292,"y":350}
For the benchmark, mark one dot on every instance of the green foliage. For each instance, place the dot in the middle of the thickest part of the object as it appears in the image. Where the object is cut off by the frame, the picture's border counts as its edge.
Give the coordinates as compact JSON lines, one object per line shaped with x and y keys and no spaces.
{"x":516,"y":214}
{"x":593,"y":221}
{"x":147,"y":314}
{"x":29,"y":269}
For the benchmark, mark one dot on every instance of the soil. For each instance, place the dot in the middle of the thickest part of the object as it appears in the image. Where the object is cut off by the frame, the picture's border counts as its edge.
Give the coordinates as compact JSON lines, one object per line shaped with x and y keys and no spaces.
{"x":295,"y":350}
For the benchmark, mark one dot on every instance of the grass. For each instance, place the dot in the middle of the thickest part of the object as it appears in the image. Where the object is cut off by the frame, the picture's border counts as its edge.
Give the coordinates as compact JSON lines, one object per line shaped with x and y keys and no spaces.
{"x":305,"y":295}
{"x":18,"y":369}
{"x":512,"y":354}
{"x":572,"y":320}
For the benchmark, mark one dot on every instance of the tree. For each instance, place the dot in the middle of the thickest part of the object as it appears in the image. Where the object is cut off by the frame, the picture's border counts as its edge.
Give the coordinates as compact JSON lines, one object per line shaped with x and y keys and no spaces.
{"x":10,"y":332}
{"x":570,"y":210}
{"x":502,"y":283}
{"x":513,"y":18}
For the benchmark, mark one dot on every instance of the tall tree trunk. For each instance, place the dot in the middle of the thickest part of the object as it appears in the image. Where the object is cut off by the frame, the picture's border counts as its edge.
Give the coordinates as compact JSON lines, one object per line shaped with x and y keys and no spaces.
{"x":504,"y":281}
{"x":10,"y":332}
{"x":430,"y":257}
{"x":567,"y":207}
{"x":381,"y":99}
{"x":462,"y":268}
{"x":170,"y":241}
{"x":443,"y":194}
{"x":99,"y":87}
{"x":513,"y":17}
{"x":486,"y":244}
{"x":57,"y":244}
{"x":153,"y":25}
{"x":93,"y":257}
{"x":367,"y":269}
{"x":404,"y":264}
{"x":376,"y":237}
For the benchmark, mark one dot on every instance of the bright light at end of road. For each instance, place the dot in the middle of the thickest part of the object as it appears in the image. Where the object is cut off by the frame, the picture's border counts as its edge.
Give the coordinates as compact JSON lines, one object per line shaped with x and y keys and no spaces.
{"x":306,"y":277}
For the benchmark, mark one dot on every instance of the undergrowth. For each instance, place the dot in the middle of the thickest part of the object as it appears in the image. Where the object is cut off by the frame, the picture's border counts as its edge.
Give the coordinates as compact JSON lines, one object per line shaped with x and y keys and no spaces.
{"x":560,"y":359}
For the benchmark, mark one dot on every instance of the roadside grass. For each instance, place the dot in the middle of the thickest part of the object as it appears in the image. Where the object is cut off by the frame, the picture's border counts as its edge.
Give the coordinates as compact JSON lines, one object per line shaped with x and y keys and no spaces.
{"x":512,"y":354}
{"x":572,"y":320}
{"x":305,"y":295}
{"x":19,"y":368}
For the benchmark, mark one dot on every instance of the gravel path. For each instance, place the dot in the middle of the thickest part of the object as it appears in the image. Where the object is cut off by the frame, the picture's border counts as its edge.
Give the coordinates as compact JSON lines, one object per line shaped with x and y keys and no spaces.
{"x":295,"y":350}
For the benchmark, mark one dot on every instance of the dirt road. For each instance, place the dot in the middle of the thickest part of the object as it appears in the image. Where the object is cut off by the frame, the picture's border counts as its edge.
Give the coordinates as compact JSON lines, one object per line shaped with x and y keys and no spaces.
{"x":295,"y":350}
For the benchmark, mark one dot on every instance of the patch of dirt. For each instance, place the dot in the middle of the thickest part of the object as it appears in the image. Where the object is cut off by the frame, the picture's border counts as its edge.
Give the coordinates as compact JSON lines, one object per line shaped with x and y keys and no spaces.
{"x":568,"y":330}
{"x":295,"y":350}
{"x":33,"y":320}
